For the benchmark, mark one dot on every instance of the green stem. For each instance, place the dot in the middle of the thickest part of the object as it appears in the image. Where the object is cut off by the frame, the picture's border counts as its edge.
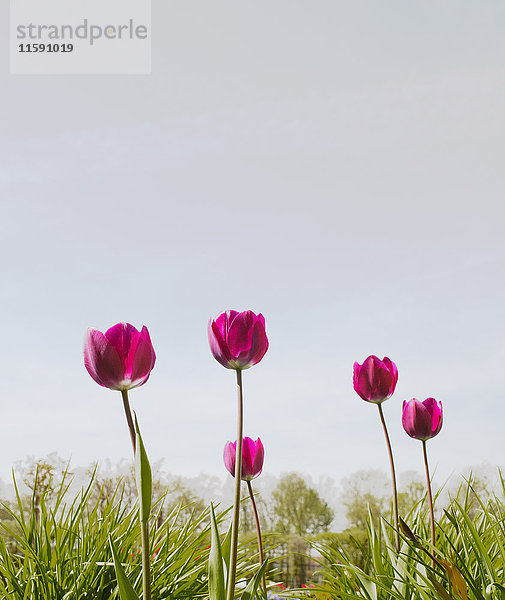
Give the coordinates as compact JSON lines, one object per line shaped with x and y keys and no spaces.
{"x":144,"y":527}
{"x":146,"y":567}
{"x":128,"y":412}
{"x":258,"y":531}
{"x":430,"y":497}
{"x":236,"y":505}
{"x":393,"y":476}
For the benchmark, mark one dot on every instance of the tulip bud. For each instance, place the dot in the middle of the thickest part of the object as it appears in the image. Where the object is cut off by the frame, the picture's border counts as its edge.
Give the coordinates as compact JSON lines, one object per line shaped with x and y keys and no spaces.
{"x":375,"y":380}
{"x":238,"y":340}
{"x":422,"y":420}
{"x":252,"y":458}
{"x":120,"y":359}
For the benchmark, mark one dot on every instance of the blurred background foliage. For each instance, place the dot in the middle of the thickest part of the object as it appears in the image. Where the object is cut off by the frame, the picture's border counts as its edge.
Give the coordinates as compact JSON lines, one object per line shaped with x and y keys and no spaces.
{"x":303,"y":523}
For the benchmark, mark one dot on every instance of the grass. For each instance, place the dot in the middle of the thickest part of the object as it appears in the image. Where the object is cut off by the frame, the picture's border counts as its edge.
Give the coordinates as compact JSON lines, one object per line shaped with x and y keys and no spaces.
{"x":467,"y":563}
{"x":58,"y":548}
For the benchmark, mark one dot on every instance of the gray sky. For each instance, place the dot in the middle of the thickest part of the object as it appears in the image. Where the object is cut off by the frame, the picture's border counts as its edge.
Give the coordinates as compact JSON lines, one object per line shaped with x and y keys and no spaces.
{"x":337,"y":166}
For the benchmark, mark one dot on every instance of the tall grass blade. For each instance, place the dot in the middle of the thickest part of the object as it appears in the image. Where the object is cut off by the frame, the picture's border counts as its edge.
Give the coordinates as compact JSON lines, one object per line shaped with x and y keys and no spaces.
{"x":216,"y":567}
{"x":143,"y":476}
{"x":253,"y":586}
{"x":126,"y":591}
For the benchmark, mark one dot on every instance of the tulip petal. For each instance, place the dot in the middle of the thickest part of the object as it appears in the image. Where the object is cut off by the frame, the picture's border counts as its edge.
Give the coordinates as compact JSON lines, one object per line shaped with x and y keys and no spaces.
{"x":355,"y":374}
{"x":121,"y":336}
{"x":259,"y":343}
{"x":141,"y":358}
{"x":223,"y":322}
{"x":102,"y":360}
{"x":422,"y":420}
{"x":248,"y":451}
{"x":364,"y":380}
{"x":258,"y":458}
{"x":408,"y":417}
{"x":229,"y":456}
{"x":218,"y":345}
{"x":240,"y":334}
{"x":436,"y":416}
{"x":391,"y":367}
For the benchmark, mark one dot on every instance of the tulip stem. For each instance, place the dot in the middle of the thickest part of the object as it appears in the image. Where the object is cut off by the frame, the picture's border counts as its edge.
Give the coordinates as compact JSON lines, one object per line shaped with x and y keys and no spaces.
{"x":144,"y":526}
{"x":258,"y":530}
{"x":393,"y":476}
{"x":128,"y":412}
{"x":430,"y":497}
{"x":238,"y":480}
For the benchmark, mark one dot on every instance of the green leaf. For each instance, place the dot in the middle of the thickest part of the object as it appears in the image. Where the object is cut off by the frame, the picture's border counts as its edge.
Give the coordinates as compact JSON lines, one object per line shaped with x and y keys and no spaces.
{"x":370,"y":586}
{"x":407,"y":531}
{"x":250,"y":591}
{"x":216,"y":568}
{"x":441,"y":591}
{"x":495,"y":587}
{"x":143,"y":476}
{"x":126,"y":591}
{"x":457,"y":581}
{"x":226,"y":551}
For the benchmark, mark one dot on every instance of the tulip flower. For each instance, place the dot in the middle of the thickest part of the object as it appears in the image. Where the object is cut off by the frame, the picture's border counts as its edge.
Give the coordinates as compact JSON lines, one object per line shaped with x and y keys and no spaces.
{"x":122,"y":358}
{"x":238,"y":340}
{"x":422,"y":420}
{"x":252,"y":458}
{"x":375,"y":380}
{"x":252,"y":465}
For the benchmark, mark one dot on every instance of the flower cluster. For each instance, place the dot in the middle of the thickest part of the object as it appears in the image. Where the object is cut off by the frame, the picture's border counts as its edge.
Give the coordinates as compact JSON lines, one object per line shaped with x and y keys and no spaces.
{"x":122,"y":358}
{"x":375,"y":381}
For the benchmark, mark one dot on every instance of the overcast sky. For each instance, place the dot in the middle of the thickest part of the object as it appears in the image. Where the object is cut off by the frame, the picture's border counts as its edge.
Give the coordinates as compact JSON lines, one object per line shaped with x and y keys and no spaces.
{"x":337,"y":166}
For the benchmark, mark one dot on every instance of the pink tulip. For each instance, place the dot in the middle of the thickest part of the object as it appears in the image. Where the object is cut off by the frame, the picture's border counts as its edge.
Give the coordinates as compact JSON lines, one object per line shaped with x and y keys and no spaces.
{"x":120,"y":359}
{"x":422,"y":420}
{"x":238,"y":340}
{"x":252,"y":458}
{"x":375,"y":380}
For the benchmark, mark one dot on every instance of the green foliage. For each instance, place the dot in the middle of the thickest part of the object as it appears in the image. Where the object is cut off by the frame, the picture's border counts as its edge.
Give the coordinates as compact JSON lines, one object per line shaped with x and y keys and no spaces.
{"x":297,"y":512}
{"x":55,"y":545}
{"x":216,"y":563}
{"x":65,"y":553}
{"x":219,"y":564}
{"x":247,"y":521}
{"x":370,"y":491}
{"x":143,"y":476}
{"x":298,"y":508}
{"x":126,"y":591}
{"x":253,"y":587}
{"x":178,"y":494}
{"x":468,"y":561}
